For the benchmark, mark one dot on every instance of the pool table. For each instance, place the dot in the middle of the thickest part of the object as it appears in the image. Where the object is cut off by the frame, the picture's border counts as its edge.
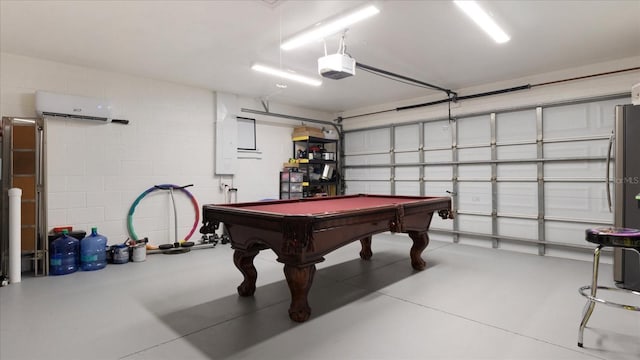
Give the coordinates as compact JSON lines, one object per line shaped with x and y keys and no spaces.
{"x":301,"y":232}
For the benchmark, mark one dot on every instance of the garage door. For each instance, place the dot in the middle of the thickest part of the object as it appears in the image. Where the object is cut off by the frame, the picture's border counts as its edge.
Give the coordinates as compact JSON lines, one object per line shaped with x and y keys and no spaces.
{"x":530,"y":179}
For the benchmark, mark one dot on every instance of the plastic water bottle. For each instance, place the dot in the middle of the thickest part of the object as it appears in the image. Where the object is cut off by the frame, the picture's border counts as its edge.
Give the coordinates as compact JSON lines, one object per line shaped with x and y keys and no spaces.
{"x":93,"y":251}
{"x":63,"y":258}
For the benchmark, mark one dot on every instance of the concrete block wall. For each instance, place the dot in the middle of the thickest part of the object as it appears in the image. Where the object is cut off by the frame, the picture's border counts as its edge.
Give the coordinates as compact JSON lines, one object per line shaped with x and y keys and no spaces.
{"x":95,"y":171}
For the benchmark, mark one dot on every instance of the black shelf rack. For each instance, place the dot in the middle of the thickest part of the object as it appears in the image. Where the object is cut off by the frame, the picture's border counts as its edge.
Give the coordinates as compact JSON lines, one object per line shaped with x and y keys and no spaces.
{"x":318,"y":162}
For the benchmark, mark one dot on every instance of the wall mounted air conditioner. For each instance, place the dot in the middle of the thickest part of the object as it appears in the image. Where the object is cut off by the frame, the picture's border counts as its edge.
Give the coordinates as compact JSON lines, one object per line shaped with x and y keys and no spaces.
{"x":72,"y":106}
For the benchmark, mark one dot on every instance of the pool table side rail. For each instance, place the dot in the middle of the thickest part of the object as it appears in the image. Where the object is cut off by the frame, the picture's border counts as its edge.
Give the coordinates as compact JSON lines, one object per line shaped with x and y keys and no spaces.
{"x":273,"y":221}
{"x":305,"y":239}
{"x":247,"y":205}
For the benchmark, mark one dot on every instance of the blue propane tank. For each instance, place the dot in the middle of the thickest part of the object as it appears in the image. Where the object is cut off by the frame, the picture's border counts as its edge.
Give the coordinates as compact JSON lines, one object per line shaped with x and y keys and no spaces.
{"x":63,"y":258}
{"x":93,"y":251}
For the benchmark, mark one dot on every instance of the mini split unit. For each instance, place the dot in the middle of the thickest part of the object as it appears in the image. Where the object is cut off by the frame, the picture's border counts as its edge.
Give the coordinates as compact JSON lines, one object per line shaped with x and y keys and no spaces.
{"x":71,"y":106}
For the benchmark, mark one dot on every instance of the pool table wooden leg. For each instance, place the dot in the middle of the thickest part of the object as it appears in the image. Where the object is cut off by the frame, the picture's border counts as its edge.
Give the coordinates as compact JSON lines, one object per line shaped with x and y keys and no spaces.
{"x":244,"y":262}
{"x":299,"y":280}
{"x":366,"y":253}
{"x":420,"y":242}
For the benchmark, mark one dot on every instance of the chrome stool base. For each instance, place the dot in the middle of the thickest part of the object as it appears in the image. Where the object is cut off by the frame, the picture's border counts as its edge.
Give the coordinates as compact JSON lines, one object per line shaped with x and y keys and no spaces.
{"x":607,"y":302}
{"x":592,"y":299}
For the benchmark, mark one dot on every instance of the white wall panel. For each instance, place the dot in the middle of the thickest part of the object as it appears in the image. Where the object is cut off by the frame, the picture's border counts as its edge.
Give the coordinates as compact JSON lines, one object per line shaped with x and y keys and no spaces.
{"x":516,"y":126}
{"x":411,"y":188}
{"x":379,"y":187}
{"x":354,"y":142}
{"x":585,"y":119}
{"x":520,"y":228}
{"x":438,"y":155}
{"x":466,"y":172}
{"x":378,"y":140}
{"x":407,"y":158}
{"x":437,"y":134}
{"x":368,"y":187}
{"x":517,"y":171}
{"x":474,"y":130}
{"x":573,"y":169}
{"x":476,"y":224}
{"x":407,"y":137}
{"x":407,"y":173}
{"x":474,"y":196}
{"x":437,"y":188}
{"x":517,"y":198}
{"x":367,"y":141}
{"x":576,"y":169}
{"x":367,"y":174}
{"x":564,"y":232}
{"x":355,"y":187}
{"x":483,"y":153}
{"x":438,"y":172}
{"x":510,"y":152}
{"x":577,"y":201}
{"x":374,"y":159}
{"x":576,"y":148}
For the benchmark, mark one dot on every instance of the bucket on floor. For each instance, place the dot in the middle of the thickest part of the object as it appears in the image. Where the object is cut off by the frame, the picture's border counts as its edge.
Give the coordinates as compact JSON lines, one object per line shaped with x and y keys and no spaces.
{"x":139,"y":252}
{"x":119,"y":254}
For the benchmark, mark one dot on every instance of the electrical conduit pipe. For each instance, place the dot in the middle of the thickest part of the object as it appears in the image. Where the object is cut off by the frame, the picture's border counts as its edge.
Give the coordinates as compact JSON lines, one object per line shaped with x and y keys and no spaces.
{"x":15,"y":235}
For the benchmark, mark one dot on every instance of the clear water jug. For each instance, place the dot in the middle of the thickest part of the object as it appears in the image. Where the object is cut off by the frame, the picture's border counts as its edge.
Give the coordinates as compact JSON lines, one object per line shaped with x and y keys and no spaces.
{"x":93,"y":251}
{"x":63,"y":258}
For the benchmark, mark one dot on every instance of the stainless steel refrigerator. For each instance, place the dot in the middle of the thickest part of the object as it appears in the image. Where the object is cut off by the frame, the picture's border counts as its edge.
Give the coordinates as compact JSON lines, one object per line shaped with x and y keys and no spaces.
{"x":626,"y":263}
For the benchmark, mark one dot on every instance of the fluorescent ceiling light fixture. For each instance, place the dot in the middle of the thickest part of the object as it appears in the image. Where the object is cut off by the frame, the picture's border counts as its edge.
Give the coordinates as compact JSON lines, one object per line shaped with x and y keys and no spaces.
{"x":480,"y":17}
{"x":286,"y":74}
{"x":27,"y":121}
{"x":329,"y":27}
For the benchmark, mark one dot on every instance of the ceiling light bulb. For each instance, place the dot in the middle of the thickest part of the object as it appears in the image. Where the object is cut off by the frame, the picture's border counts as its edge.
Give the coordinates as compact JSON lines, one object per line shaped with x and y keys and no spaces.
{"x":286,"y":75}
{"x":482,"y":19}
{"x":329,"y":27}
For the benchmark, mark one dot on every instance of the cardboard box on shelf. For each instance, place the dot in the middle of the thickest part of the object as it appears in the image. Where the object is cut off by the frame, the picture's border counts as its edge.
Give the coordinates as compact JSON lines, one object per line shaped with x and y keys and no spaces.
{"x":307,"y":131}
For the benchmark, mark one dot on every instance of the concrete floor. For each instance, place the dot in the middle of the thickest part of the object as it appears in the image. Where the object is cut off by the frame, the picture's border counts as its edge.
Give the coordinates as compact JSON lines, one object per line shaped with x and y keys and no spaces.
{"x":470,"y":303}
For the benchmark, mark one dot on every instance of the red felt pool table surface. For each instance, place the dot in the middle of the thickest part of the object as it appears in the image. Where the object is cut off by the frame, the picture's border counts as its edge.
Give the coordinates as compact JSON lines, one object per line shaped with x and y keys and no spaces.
{"x":328,"y":205}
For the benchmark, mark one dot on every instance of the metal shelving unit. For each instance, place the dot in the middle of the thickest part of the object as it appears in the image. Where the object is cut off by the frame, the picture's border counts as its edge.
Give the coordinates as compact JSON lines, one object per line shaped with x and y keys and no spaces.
{"x":318,"y":162}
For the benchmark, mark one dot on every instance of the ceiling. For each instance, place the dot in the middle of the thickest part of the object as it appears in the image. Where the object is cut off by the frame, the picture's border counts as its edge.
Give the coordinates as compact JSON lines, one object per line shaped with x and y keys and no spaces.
{"x":212,"y":44}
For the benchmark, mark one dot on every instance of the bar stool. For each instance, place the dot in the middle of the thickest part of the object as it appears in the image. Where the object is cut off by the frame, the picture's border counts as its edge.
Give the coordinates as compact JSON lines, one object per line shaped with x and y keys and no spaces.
{"x":613,"y":237}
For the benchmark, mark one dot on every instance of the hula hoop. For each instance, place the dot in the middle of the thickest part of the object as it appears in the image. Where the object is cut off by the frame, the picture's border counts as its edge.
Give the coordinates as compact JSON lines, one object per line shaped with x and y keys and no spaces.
{"x":132,"y":232}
